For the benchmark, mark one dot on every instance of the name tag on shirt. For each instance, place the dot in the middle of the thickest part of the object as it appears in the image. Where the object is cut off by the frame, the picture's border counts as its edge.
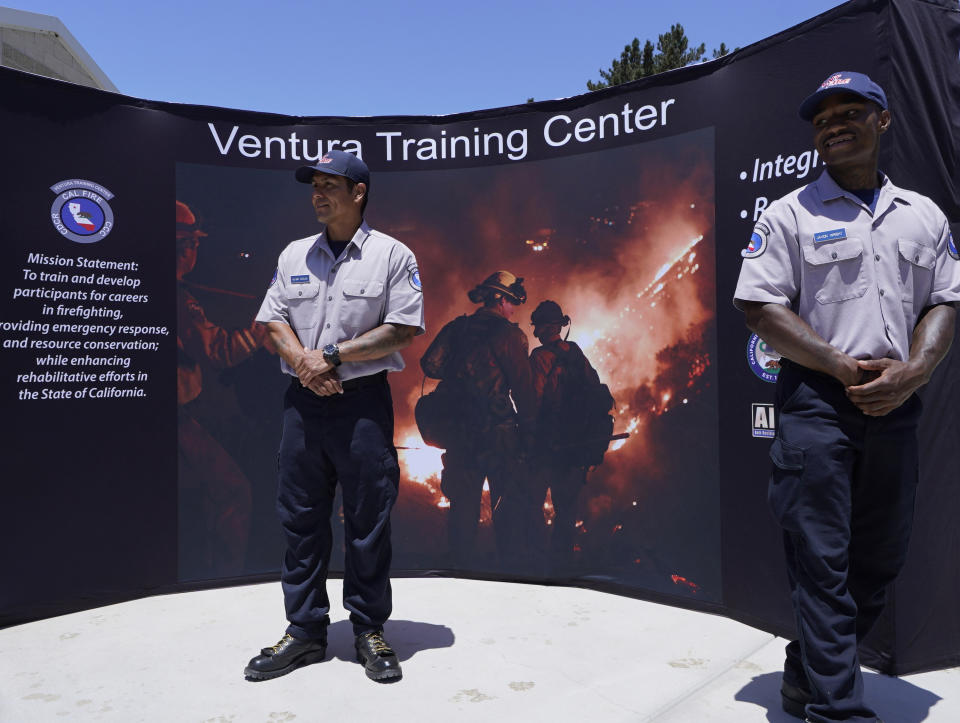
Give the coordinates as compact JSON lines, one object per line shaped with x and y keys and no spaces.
{"x":304,"y":279}
{"x":835,"y":235}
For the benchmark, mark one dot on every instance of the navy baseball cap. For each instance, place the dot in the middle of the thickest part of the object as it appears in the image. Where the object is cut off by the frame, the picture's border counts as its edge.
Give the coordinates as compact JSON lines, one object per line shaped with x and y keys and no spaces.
{"x":846,"y":81}
{"x":336,"y":163}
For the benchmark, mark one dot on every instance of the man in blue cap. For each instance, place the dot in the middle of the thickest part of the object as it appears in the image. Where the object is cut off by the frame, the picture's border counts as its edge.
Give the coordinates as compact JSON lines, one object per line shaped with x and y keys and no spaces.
{"x":855,"y":282}
{"x":339,"y":309}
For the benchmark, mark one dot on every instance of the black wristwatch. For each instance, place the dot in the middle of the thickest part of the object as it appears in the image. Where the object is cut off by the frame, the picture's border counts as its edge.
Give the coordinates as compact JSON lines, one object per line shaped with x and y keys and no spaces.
{"x":331,"y":353}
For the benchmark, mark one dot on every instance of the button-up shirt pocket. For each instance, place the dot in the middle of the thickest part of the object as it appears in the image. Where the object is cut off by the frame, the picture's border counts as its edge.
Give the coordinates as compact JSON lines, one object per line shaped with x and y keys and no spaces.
{"x":362,"y":305}
{"x":835,"y":270}
{"x":302,"y":304}
{"x":917,"y":267}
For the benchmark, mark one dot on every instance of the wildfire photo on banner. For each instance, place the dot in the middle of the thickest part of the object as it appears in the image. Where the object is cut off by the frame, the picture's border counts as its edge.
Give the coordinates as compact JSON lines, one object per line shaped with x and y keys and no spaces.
{"x":622,"y":240}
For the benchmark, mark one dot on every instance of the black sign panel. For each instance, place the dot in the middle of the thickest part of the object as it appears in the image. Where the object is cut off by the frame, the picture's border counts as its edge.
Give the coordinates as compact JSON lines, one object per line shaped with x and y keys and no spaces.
{"x":143,"y":403}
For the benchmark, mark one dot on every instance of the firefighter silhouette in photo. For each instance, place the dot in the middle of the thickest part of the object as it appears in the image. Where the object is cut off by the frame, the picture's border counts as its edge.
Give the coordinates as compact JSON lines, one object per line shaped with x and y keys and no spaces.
{"x":214,"y":493}
{"x":483,"y":416}
{"x":573,"y":425}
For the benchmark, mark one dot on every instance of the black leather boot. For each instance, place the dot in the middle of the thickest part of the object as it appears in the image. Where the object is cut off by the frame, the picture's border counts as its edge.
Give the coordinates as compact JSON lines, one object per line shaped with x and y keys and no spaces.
{"x":794,"y":700}
{"x":285,"y":657}
{"x":378,"y":658}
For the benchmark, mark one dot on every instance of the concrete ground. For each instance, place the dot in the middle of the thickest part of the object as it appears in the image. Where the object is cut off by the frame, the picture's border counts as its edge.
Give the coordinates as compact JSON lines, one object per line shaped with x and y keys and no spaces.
{"x":471,"y":651}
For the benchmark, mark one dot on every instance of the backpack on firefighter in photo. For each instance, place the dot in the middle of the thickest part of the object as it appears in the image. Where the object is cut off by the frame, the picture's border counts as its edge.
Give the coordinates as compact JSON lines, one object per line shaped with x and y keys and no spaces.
{"x":457,"y":412}
{"x":575,"y":420}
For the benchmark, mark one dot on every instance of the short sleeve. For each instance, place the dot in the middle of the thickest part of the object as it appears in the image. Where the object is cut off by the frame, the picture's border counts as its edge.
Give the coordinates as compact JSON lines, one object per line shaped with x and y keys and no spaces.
{"x":946,"y":280}
{"x":274,"y":306}
{"x":404,"y":302}
{"x":770,"y":270}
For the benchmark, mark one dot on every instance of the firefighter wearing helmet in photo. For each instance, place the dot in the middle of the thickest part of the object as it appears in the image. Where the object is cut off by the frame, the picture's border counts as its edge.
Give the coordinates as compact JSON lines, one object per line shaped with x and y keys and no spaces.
{"x":488,"y":412}
{"x":573,"y":424}
{"x":214,"y":493}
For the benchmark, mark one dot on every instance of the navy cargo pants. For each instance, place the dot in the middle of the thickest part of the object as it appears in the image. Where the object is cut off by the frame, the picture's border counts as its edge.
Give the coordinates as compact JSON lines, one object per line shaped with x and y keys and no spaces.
{"x":842,"y":489}
{"x":346,"y":439}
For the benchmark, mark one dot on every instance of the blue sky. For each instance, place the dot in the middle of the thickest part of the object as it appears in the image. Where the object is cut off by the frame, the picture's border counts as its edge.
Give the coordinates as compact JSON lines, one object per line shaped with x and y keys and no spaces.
{"x":375,"y":57}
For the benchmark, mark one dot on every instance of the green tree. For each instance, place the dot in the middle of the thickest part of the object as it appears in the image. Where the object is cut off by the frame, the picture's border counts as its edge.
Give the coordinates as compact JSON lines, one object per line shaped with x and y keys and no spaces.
{"x":672,"y":51}
{"x":721,"y":51}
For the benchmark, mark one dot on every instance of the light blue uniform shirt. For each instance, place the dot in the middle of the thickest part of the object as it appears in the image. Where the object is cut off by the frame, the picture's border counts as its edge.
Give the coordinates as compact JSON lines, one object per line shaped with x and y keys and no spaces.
{"x":327,"y":301}
{"x":859,"y":278}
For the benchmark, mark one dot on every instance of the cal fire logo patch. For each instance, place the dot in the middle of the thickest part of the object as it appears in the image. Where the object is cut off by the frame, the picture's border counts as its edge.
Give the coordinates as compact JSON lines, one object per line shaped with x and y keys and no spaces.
{"x":758,"y":242}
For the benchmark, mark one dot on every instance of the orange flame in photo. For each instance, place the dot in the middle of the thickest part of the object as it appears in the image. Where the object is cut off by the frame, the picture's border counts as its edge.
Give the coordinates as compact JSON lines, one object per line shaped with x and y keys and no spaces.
{"x":626,"y":249}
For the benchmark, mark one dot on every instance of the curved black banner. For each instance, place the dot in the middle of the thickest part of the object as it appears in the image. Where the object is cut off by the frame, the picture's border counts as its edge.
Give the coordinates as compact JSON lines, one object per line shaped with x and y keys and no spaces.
{"x":143,"y":403}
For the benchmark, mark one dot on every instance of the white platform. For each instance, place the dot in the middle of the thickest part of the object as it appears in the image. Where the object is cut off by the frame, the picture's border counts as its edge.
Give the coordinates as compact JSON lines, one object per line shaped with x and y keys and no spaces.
{"x":471,"y":651}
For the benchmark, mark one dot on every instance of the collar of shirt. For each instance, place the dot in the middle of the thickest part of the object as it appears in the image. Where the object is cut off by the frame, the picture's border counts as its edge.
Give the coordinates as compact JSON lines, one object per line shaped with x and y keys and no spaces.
{"x":829,"y":190}
{"x":359,"y":238}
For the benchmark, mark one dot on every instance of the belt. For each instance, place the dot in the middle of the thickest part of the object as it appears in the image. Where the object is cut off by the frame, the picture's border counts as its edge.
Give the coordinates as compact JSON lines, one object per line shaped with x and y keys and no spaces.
{"x":792,"y":366}
{"x":371,"y":380}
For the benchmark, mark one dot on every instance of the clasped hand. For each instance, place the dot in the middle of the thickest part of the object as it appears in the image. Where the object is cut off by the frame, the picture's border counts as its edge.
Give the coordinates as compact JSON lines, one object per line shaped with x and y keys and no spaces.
{"x":317,"y":374}
{"x":883,"y":386}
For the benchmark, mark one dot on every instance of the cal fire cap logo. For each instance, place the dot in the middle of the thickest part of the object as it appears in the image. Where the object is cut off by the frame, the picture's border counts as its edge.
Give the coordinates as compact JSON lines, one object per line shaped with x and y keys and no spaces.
{"x":758,"y":242}
{"x":80,"y":211}
{"x":833,"y":80}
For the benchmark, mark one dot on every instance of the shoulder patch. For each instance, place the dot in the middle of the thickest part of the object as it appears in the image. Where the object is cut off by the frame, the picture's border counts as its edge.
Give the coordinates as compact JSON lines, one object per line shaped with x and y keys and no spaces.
{"x":952,"y":246}
{"x":413,"y":276}
{"x":758,"y":242}
{"x":276,"y":272}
